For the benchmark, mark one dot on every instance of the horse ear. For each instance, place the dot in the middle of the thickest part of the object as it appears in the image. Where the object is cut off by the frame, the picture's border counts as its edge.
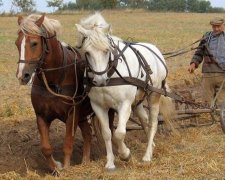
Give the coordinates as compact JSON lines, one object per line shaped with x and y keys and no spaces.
{"x":82,"y":30}
{"x":20,"y":19}
{"x":40,"y":20}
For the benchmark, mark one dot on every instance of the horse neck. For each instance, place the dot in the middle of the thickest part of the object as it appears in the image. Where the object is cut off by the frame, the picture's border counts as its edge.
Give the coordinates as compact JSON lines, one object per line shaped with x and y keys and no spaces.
{"x":54,"y":59}
{"x":60,"y":56}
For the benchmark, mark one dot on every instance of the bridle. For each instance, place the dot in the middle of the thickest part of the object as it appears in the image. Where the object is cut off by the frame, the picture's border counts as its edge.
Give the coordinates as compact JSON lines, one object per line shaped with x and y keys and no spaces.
{"x":111,"y":65}
{"x":45,"y":50}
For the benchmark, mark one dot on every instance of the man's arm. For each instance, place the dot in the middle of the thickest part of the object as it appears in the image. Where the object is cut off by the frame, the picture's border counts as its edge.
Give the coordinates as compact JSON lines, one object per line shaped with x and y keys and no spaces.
{"x":198,"y":55}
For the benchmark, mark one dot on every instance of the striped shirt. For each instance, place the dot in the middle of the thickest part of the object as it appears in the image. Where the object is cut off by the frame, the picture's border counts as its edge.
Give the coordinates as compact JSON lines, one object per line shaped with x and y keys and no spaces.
{"x":217,"y":48}
{"x":212,"y":50}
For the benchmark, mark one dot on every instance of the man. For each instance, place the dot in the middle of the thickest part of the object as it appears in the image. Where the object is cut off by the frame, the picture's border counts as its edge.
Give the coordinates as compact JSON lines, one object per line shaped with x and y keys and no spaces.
{"x":212,"y":50}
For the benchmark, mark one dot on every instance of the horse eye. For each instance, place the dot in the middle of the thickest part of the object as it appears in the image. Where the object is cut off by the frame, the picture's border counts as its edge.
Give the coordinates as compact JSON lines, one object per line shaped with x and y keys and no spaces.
{"x":34,"y":44}
{"x":87,"y":54}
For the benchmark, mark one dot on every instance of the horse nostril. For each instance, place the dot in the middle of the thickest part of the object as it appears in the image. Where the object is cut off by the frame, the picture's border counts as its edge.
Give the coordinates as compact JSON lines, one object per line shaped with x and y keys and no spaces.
{"x":94,"y":82}
{"x":26,"y":76}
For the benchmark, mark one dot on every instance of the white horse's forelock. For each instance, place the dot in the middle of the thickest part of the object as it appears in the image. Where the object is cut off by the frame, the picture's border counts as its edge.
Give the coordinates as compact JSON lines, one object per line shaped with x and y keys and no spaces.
{"x":99,"y":29}
{"x":94,"y":21}
{"x":28,"y":25}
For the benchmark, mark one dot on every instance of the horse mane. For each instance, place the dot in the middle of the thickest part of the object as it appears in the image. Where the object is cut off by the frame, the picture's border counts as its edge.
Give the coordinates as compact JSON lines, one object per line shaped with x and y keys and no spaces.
{"x":99,"y":30}
{"x":51,"y":26}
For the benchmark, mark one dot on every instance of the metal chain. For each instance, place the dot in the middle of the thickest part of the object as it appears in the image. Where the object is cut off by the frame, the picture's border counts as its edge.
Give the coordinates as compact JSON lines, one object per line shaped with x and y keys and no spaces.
{"x":190,"y":103}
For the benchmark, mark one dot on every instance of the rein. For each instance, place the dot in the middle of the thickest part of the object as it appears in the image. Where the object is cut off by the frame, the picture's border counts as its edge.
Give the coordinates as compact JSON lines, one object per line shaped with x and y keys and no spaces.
{"x":62,"y":96}
{"x":39,"y":70}
{"x":183,"y":50}
{"x":68,"y":98}
{"x":59,"y":68}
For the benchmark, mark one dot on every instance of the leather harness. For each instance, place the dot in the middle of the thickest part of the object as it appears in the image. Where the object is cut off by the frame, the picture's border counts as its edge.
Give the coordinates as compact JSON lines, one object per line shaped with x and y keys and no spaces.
{"x":145,"y":85}
{"x":57,"y":88}
{"x":118,"y":54}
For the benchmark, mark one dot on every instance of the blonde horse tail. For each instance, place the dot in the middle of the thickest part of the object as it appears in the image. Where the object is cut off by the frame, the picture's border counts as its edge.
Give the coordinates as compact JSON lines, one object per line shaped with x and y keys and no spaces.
{"x":167,"y":109}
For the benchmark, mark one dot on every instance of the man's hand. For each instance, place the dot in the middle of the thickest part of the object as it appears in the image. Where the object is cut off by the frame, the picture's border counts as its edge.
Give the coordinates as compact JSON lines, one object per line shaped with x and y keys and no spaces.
{"x":192,"y":67}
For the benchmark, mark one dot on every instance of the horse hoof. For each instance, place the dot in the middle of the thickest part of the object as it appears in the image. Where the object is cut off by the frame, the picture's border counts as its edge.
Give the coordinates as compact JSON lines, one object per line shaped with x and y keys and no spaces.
{"x":112,"y":169}
{"x":146,"y":159}
{"x":57,"y":169}
{"x":126,"y":158}
{"x":59,"y":165}
{"x":55,"y":173}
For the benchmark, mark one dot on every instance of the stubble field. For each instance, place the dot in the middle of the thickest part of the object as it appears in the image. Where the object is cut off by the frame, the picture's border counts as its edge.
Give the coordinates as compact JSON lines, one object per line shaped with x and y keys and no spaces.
{"x":196,"y":153}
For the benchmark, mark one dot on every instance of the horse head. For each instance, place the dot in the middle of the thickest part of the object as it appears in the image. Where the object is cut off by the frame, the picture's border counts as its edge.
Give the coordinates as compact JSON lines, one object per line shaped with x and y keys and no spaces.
{"x":95,"y":47}
{"x":33,"y":34}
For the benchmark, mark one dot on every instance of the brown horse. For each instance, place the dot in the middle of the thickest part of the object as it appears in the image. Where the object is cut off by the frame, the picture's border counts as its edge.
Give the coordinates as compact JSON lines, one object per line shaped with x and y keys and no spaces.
{"x":53,"y":69}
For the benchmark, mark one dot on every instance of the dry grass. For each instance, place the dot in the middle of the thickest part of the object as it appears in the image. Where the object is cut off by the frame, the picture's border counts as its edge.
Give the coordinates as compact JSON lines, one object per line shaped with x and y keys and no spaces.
{"x":197,"y":154}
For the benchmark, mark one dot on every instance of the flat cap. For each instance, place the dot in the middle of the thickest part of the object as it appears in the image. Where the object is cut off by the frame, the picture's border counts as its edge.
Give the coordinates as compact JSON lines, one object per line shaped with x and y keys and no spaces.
{"x":217,"y":21}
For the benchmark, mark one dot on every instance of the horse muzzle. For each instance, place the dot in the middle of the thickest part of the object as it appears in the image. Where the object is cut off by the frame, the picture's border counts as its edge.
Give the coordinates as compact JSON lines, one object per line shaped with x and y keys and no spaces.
{"x":24,"y":79}
{"x":100,"y":80}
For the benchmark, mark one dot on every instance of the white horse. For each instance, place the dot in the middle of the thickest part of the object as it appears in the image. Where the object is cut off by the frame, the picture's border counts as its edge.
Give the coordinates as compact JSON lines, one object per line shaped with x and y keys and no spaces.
{"x":96,"y":47}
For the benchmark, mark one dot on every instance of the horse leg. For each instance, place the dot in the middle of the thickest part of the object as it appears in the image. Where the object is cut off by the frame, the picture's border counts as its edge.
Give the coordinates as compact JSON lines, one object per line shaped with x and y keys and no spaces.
{"x":69,"y":138}
{"x":86,"y":133}
{"x":154,"y":111}
{"x":111,"y":119}
{"x":140,"y":112}
{"x":102,"y":115}
{"x":46,"y":148}
{"x":120,"y":132}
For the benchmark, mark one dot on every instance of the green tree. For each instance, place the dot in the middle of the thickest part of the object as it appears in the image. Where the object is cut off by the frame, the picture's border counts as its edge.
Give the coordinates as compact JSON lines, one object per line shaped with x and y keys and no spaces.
{"x":192,"y":5}
{"x":176,"y":5}
{"x":158,"y":5}
{"x":89,"y":4}
{"x":96,"y":4}
{"x":136,"y":3}
{"x":1,"y":3}
{"x":204,"y":6}
{"x":180,"y":5}
{"x":198,"y":6}
{"x":69,"y":6}
{"x":109,"y":4}
{"x":24,"y":5}
{"x":54,"y":3}
{"x":216,"y":10}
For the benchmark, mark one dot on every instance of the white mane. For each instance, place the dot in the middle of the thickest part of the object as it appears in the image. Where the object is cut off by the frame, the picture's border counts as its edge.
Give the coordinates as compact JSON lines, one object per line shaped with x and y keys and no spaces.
{"x":50,"y":25}
{"x":98,"y":31}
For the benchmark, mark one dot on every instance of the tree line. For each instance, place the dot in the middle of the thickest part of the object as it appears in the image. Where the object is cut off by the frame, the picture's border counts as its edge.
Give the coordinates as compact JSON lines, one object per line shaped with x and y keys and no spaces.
{"x":200,"y":6}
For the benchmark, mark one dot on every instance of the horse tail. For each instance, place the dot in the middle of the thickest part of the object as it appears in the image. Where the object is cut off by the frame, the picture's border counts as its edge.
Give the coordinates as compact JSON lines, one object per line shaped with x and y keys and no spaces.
{"x":167,"y":110}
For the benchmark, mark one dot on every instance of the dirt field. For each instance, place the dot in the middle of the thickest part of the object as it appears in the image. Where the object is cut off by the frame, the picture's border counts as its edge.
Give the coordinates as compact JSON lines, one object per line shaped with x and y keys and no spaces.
{"x":196,"y":153}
